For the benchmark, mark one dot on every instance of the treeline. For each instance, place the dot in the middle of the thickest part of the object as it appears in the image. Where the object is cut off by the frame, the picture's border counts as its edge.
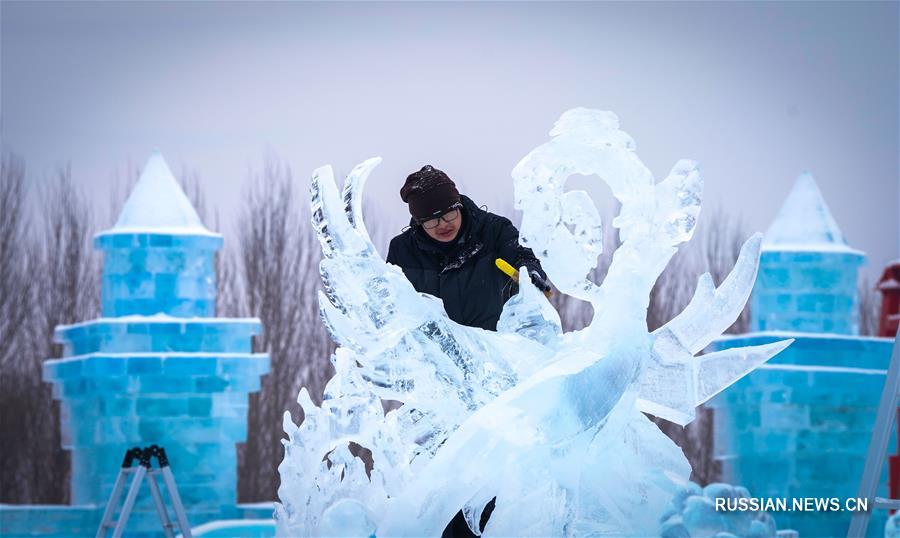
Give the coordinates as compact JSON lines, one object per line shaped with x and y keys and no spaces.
{"x":50,"y":275}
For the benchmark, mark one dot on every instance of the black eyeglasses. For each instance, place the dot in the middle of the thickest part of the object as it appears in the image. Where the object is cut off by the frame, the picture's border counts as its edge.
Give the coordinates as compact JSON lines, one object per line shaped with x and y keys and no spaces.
{"x":448,"y":215}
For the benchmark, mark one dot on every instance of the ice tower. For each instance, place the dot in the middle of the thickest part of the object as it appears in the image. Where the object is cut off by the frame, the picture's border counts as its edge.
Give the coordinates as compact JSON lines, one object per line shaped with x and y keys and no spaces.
{"x":799,"y":426}
{"x":807,"y":272}
{"x":158,"y":258}
{"x":156,"y":367}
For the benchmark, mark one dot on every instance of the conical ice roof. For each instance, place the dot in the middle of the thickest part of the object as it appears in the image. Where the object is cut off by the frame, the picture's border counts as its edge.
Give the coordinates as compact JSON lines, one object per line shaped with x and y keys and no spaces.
{"x":157,"y":204}
{"x":805,"y":223}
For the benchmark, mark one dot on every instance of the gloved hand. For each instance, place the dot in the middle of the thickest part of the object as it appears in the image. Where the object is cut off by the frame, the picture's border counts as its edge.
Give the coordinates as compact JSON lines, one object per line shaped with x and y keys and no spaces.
{"x":539,"y":280}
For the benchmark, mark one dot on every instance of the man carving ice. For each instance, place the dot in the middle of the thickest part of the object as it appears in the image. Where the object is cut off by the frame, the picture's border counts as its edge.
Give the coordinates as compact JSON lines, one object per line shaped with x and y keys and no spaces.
{"x":450,"y":251}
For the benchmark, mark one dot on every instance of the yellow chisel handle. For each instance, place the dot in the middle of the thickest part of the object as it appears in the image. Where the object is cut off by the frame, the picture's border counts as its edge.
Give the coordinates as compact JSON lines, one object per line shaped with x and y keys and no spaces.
{"x":511,"y":271}
{"x":504,"y":266}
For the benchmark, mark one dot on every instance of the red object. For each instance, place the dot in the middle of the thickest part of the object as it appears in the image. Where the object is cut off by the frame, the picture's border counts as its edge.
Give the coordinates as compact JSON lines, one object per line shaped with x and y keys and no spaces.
{"x":894,"y":468}
{"x":889,"y":286}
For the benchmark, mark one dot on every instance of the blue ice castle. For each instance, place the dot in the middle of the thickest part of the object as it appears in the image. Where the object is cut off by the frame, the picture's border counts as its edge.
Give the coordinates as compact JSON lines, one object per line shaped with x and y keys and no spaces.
{"x":800,"y":425}
{"x":156,"y":368}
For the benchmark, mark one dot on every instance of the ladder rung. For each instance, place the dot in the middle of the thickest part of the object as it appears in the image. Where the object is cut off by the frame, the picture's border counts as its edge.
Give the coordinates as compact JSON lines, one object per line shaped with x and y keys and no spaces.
{"x":112,"y":525}
{"x":891,"y":504}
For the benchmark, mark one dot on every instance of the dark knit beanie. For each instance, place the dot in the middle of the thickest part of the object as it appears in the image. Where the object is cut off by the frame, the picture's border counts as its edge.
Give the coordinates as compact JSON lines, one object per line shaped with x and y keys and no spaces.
{"x":428,"y":191}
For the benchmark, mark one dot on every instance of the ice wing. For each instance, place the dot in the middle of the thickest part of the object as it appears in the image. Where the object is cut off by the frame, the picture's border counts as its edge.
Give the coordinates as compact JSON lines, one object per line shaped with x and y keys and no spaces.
{"x":674,"y":382}
{"x":406,"y":346}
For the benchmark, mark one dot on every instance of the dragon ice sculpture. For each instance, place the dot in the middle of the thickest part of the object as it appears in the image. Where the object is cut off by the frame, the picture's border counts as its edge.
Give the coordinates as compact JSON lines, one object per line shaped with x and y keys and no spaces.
{"x":549,"y":423}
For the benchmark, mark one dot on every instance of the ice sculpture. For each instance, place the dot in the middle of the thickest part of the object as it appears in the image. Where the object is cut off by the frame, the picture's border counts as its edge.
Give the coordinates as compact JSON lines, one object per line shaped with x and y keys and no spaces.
{"x":692,"y":512}
{"x":549,"y":423}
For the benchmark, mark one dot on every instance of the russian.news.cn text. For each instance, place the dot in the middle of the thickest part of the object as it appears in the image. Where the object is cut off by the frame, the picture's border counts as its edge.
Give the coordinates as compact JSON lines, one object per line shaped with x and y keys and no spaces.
{"x":796,"y":504}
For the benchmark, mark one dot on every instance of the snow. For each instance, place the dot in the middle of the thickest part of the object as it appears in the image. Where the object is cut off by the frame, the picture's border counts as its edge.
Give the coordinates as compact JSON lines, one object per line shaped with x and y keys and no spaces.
{"x":811,"y":247}
{"x":52,"y":507}
{"x":804,"y":222}
{"x":158,"y":205}
{"x":823,"y":369}
{"x":234,"y":528}
{"x":529,"y":414}
{"x":156,"y":318}
{"x":201,"y":355}
{"x":805,"y":335}
{"x":264,"y":505}
{"x":693,"y":512}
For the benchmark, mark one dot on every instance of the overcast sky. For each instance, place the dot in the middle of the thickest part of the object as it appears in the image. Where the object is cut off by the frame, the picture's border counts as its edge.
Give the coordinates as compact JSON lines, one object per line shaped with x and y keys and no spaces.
{"x":756,"y":92}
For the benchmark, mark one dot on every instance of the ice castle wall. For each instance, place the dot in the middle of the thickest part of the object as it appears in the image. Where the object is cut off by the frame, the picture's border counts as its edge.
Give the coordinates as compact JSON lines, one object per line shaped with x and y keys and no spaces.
{"x":181,"y":384}
{"x":155,"y":369}
{"x":800,"y":425}
{"x":811,"y":291}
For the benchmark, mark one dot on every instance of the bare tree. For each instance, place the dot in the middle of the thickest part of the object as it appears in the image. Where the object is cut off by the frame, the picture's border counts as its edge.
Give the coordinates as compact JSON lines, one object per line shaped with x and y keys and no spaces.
{"x":68,"y":292}
{"x":71,"y":267}
{"x":869,"y":308}
{"x":277,"y":280}
{"x":16,"y":296}
{"x":15,"y":281}
{"x":63,"y":289}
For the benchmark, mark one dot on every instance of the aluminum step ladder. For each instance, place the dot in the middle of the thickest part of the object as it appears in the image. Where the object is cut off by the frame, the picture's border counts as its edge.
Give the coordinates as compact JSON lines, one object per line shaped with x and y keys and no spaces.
{"x":878,"y":449}
{"x":144,"y":469}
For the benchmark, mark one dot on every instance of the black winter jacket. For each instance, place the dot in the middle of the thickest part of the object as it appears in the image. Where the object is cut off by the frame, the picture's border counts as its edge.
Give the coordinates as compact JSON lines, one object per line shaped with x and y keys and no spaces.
{"x":465,"y":276}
